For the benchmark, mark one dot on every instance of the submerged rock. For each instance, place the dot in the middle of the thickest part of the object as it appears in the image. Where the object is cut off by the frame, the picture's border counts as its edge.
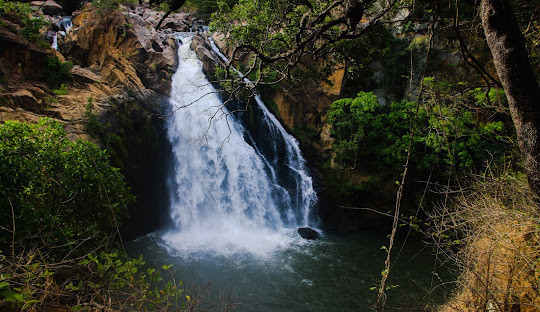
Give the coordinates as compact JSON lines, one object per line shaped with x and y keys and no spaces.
{"x":308,"y":233}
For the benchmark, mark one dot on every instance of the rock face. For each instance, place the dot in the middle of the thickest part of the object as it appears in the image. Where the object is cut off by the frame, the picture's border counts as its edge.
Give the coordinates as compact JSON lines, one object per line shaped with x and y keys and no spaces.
{"x":115,"y":54}
{"x":23,"y":90}
{"x":202,"y":48}
{"x":308,"y":233}
{"x":123,"y":48}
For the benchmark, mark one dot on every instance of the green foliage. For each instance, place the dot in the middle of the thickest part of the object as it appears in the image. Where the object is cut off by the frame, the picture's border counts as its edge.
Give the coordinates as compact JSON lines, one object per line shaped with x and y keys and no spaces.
{"x":207,"y":7}
{"x":446,"y":136}
{"x":92,"y":125}
{"x":125,"y":276}
{"x":16,"y":7}
{"x":351,"y":119}
{"x":57,"y":191}
{"x":493,"y":96}
{"x":284,"y":32}
{"x":57,"y":72}
{"x":29,"y":282}
{"x":377,"y":47}
{"x":270,"y":26}
{"x":62,"y":90}
{"x":110,"y":139}
{"x":261,"y":16}
{"x":32,"y":27}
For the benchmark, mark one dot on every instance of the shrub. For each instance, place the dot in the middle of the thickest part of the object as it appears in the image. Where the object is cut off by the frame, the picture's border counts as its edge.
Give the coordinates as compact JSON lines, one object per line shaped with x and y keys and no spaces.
{"x":32,"y":27}
{"x":57,"y":71}
{"x":62,"y":90}
{"x":108,"y":281}
{"x":19,"y":8}
{"x":21,"y":12}
{"x":491,"y":232}
{"x":56,"y":192}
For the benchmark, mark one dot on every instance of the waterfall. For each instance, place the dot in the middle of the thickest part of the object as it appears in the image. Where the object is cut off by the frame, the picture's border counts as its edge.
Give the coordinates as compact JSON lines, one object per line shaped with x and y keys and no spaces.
{"x":230,"y":192}
{"x":54,"y":44}
{"x":66,"y":24}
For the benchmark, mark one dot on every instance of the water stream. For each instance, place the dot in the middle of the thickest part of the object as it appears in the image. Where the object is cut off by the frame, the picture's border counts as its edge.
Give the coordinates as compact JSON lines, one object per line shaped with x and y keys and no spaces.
{"x":238,"y":196}
{"x":229,"y":194}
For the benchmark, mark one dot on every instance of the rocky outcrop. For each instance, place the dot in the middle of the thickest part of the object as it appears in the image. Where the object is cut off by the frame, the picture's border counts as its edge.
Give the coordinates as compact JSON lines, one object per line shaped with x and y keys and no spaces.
{"x":115,"y":53}
{"x":21,"y":58}
{"x":122,"y":49}
{"x":23,"y":91}
{"x":121,"y":75}
{"x":202,"y":48}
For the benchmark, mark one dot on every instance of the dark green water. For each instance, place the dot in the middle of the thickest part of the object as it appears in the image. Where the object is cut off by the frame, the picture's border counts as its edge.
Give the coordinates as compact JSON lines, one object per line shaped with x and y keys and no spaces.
{"x":334,"y":273}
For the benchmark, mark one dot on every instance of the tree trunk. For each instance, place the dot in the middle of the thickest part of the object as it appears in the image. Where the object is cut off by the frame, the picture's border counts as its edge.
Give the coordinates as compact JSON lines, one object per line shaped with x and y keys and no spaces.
{"x":507,"y":46}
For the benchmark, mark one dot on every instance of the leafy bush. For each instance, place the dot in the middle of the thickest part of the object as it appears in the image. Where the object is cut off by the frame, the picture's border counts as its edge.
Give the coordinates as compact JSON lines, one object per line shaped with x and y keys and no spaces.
{"x":32,"y":27}
{"x":207,"y":7}
{"x":21,"y":13}
{"x":19,"y":8}
{"x":62,"y":90}
{"x":57,"y":72}
{"x":55,"y":192}
{"x":445,"y":135}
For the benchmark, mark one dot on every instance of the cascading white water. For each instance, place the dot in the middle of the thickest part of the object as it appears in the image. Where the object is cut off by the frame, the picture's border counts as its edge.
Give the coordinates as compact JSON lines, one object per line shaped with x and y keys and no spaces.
{"x":229,"y":195}
{"x":54,"y":44}
{"x":295,"y":161}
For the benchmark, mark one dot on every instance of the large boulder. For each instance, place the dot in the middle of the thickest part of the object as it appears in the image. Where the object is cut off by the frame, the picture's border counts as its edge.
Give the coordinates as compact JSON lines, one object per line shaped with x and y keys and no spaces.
{"x":308,"y":233}
{"x":49,"y":7}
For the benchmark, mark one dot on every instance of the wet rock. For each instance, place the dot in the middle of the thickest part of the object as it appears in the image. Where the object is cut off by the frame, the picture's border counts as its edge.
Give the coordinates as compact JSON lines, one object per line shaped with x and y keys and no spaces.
{"x":308,"y":233}
{"x":202,"y":48}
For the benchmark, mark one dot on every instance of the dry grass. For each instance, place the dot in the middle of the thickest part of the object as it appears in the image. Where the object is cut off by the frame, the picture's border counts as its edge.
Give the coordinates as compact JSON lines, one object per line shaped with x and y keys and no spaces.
{"x":497,"y":226}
